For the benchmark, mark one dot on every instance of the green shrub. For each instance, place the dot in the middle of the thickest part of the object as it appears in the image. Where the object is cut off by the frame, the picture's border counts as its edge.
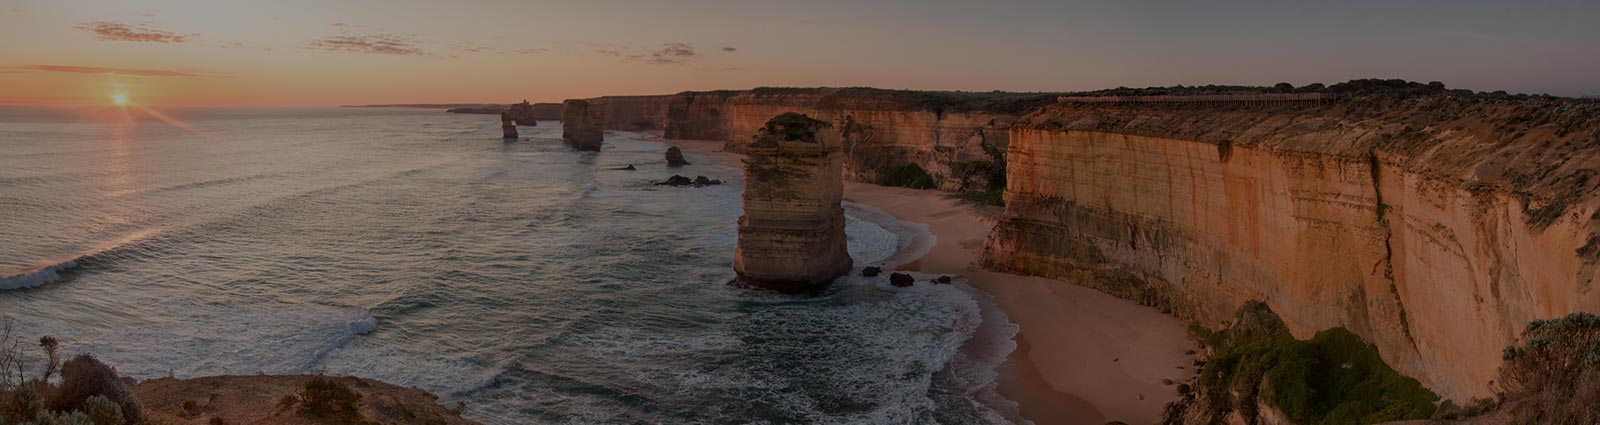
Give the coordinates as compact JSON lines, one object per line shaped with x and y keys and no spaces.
{"x":103,"y":411}
{"x":908,"y":175}
{"x":1333,"y":378}
{"x":329,"y":399}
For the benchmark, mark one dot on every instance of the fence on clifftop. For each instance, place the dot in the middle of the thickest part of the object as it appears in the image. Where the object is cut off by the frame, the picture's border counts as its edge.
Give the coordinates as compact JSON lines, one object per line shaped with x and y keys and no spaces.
{"x":1251,"y":98}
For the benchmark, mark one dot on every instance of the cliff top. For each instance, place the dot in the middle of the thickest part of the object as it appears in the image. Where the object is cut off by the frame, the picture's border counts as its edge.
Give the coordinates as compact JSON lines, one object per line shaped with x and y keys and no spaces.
{"x":1544,"y":149}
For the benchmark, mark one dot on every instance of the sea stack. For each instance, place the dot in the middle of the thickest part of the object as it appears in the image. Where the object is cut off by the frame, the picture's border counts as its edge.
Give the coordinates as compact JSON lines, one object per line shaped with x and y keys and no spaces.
{"x":508,"y":126}
{"x":791,"y":236}
{"x":580,"y":126}
{"x":522,"y":114}
{"x":675,"y":157}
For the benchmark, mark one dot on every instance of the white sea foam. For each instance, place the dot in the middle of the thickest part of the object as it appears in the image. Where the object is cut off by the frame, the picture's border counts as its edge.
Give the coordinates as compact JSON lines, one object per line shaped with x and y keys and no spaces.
{"x":37,"y":277}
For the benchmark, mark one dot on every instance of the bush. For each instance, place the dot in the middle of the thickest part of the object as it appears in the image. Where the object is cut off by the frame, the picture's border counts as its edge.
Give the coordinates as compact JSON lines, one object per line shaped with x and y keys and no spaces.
{"x":103,"y":411}
{"x":1333,"y":378}
{"x":84,"y":377}
{"x":908,"y":175}
{"x":330,"y":399}
{"x":1554,"y":375}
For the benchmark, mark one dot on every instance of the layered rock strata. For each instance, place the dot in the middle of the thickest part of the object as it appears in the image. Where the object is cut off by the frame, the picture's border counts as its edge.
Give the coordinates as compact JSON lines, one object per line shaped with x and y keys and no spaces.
{"x":1435,"y":227}
{"x":791,"y":236}
{"x":580,"y":126}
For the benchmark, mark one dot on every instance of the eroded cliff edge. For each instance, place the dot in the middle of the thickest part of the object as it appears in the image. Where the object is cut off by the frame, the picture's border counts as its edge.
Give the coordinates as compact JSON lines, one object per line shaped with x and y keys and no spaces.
{"x":1434,"y":226}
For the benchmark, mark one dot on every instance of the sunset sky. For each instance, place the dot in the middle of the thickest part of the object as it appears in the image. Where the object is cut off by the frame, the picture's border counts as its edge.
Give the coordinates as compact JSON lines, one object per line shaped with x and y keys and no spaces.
{"x":293,"y":52}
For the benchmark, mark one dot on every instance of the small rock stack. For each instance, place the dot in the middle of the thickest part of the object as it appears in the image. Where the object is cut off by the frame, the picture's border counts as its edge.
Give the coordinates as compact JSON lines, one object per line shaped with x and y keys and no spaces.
{"x":508,"y":126}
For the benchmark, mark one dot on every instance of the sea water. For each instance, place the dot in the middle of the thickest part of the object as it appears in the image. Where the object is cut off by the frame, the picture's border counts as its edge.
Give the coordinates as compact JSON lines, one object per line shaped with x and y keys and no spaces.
{"x":534,"y":283}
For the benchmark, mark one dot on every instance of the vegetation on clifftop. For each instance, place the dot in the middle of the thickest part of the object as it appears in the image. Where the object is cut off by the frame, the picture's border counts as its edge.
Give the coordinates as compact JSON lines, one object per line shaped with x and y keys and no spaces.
{"x":1554,"y":376}
{"x":908,"y":175}
{"x":1333,"y":378}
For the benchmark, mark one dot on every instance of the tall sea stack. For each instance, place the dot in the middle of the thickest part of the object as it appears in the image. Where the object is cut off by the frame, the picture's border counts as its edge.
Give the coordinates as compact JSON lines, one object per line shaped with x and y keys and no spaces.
{"x":508,"y":126}
{"x":580,"y":126}
{"x":791,"y":237}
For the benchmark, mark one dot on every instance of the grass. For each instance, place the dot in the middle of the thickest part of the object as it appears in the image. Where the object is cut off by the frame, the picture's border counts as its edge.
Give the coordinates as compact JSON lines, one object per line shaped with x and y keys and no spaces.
{"x":1333,"y":378}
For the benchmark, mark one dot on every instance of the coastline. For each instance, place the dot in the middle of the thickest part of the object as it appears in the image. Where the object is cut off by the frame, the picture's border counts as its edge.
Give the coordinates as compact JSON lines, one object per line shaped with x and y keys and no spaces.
{"x":1082,"y":356}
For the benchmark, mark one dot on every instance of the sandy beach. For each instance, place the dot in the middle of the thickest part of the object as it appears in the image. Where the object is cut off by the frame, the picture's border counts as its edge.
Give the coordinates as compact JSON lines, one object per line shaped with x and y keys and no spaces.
{"x":1082,"y":357}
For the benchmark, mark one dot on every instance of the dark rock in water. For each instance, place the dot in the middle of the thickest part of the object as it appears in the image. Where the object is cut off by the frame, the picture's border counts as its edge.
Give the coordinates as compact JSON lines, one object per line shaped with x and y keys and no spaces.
{"x":703,"y":181}
{"x":871,"y":271}
{"x":942,"y":279}
{"x":627,"y":168}
{"x":901,"y":280}
{"x":676,"y":180}
{"x":1183,"y":389}
{"x":675,"y":157}
{"x":507,"y":126}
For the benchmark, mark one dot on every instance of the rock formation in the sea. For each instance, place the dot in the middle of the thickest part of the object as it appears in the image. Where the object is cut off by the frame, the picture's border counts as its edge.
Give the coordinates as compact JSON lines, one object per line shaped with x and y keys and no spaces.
{"x":697,"y":181}
{"x":871,"y":271}
{"x":508,"y":127}
{"x":901,"y":279}
{"x":675,"y":157}
{"x":791,"y":236}
{"x":522,"y":114}
{"x":1434,"y":224}
{"x":580,"y":127}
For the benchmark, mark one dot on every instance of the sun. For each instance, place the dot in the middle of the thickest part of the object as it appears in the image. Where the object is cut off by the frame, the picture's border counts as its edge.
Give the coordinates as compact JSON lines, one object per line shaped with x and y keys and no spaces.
{"x":119,"y":99}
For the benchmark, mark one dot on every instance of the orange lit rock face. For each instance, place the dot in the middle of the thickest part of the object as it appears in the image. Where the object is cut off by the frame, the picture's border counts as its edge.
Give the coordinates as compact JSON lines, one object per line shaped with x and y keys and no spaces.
{"x":878,"y":129}
{"x":1434,"y":230}
{"x":791,"y":237}
{"x":581,"y":126}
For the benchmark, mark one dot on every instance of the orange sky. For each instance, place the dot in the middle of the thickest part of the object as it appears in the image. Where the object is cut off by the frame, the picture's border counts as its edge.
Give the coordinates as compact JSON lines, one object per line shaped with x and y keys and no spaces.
{"x":303,"y":52}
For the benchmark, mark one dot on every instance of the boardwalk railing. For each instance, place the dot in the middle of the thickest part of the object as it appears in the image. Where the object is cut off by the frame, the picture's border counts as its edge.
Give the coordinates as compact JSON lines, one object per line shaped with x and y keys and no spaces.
{"x":1202,"y":98}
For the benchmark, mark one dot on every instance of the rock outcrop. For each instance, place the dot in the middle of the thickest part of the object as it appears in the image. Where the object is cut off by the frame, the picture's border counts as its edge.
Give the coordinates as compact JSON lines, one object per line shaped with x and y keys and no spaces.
{"x":580,"y":126}
{"x":791,"y":236}
{"x":508,"y":127}
{"x":522,"y":114}
{"x":675,"y":157}
{"x":1435,"y":227}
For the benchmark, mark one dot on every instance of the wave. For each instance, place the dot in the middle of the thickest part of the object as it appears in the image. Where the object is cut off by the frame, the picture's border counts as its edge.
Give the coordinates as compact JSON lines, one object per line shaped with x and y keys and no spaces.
{"x":129,"y":245}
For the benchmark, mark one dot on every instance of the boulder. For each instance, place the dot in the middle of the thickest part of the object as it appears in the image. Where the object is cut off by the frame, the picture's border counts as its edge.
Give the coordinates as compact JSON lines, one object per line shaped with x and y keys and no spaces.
{"x":675,"y":157}
{"x":871,"y":271}
{"x":676,"y":180}
{"x":901,"y":280}
{"x":700,"y":181}
{"x":942,"y":279}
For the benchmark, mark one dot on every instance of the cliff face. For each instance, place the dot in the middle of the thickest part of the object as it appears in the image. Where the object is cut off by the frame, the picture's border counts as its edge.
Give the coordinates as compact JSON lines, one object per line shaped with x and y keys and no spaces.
{"x":631,"y":113}
{"x":1435,"y":227}
{"x":791,"y":236}
{"x":958,"y":138}
{"x":581,"y":125}
{"x":545,"y":111}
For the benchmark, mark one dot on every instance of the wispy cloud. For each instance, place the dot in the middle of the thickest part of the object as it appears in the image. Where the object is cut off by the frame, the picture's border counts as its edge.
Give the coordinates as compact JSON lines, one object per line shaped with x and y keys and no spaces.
{"x":729,"y":49}
{"x":378,"y":44}
{"x":532,"y":51}
{"x":665,"y":54}
{"x":105,"y":70}
{"x":242,"y":46}
{"x":471,"y":47}
{"x":112,"y":31}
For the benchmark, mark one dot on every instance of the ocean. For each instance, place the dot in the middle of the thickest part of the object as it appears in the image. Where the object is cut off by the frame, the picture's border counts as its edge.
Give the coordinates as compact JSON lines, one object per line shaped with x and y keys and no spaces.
{"x":534,"y":283}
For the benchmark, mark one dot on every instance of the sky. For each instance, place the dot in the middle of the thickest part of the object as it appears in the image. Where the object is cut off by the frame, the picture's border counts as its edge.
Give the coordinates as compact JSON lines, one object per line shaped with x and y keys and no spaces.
{"x":331,"y":52}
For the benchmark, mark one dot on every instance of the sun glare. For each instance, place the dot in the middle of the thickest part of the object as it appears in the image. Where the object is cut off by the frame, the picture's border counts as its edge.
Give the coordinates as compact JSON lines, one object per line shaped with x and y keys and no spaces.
{"x":119,"y":99}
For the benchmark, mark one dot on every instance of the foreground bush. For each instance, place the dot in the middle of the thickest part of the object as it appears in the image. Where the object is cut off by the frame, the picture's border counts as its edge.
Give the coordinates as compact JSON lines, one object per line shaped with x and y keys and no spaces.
{"x":329,"y":399}
{"x":1553,"y":377}
{"x":1333,"y":378}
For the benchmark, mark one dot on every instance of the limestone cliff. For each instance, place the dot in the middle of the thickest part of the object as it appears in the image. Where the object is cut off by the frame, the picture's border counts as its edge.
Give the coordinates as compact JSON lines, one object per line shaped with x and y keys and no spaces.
{"x":581,"y":125}
{"x":631,"y":113}
{"x":791,"y":236}
{"x":957,"y":138}
{"x":1434,"y":226}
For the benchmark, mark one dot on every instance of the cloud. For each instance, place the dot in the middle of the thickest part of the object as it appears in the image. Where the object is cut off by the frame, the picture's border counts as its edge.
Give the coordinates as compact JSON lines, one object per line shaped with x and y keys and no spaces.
{"x":112,"y":31}
{"x":238,"y":45}
{"x":671,"y":53}
{"x":104,"y":70}
{"x":729,"y":49}
{"x":378,"y":44}
{"x":470,"y":47}
{"x":532,"y":51}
